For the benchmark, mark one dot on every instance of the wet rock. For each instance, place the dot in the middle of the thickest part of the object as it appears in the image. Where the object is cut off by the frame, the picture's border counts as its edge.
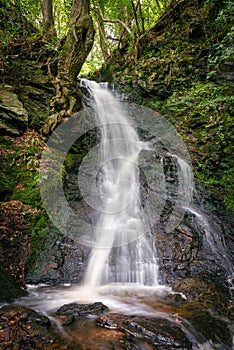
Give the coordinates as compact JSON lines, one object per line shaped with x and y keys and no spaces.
{"x":14,"y":118}
{"x":231,"y":311}
{"x":226,"y":71}
{"x":156,"y":331}
{"x":132,"y":346}
{"x":69,"y":320}
{"x":209,"y":295}
{"x":213,"y":328}
{"x":74,"y":310}
{"x":188,"y":252}
{"x":61,"y":260}
{"x":22,"y":328}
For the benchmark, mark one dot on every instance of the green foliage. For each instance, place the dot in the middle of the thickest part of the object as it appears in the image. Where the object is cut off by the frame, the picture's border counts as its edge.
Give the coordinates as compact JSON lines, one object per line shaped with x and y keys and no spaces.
{"x":221,"y":52}
{"x":40,"y":229}
{"x":24,"y":17}
{"x":31,"y":9}
{"x":203,"y":116}
{"x":20,"y":168}
{"x":126,"y":21}
{"x":221,"y":30}
{"x":11,"y":24}
{"x":62,"y":10}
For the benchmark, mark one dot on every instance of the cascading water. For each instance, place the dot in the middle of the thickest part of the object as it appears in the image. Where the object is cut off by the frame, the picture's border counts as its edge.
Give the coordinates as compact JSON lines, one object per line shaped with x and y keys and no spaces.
{"x":214,"y":238}
{"x":125,"y":250}
{"x":123,"y":260}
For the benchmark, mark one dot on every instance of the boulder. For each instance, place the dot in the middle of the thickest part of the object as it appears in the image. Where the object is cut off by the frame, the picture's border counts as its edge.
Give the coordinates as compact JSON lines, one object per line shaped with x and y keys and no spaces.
{"x":156,"y":331}
{"x":13,"y":116}
{"x":74,"y":310}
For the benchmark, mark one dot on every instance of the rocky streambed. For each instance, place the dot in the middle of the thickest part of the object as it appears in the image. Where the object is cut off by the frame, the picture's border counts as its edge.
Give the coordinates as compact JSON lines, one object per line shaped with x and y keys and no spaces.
{"x":117,"y":317}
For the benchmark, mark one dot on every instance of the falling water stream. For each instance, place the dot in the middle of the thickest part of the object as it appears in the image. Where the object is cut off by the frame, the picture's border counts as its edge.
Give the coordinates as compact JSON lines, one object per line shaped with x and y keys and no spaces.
{"x":124,"y":250}
{"x":122,"y":269}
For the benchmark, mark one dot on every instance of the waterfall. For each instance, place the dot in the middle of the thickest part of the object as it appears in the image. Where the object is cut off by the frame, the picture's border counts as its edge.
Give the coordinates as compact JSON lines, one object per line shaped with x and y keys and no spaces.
{"x":213,"y":236}
{"x":124,"y":249}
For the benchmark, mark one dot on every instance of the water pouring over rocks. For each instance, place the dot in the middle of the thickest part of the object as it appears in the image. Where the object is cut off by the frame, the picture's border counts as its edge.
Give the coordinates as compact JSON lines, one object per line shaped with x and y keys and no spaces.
{"x":122,"y":302}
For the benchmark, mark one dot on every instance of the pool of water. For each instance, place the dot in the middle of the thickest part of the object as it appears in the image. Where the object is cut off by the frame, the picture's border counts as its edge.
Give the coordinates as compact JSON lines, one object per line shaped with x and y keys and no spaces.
{"x":125,"y":299}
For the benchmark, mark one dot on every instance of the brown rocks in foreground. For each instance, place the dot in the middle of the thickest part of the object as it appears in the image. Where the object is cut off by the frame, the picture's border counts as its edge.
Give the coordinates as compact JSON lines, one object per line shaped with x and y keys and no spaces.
{"x":156,"y":331}
{"x":22,"y":328}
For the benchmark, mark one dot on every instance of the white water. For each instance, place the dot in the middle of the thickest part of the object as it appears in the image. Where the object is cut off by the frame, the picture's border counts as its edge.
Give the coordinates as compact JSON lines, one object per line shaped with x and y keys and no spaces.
{"x":124,"y":250}
{"x":125,"y":253}
{"x":214,"y":239}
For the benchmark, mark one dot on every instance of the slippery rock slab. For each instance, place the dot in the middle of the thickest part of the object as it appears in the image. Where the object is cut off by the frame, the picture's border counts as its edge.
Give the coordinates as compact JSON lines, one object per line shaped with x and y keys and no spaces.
{"x":13,"y":117}
{"x":157,"y":331}
{"x":74,"y":310}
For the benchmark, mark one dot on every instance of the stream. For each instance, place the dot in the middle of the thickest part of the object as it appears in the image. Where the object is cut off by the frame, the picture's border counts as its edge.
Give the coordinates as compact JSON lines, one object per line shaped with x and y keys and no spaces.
{"x":131,"y":300}
{"x":130,"y":184}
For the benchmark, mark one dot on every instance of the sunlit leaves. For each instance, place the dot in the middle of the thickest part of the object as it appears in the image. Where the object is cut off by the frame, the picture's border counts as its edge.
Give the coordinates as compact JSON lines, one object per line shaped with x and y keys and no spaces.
{"x":120,"y":23}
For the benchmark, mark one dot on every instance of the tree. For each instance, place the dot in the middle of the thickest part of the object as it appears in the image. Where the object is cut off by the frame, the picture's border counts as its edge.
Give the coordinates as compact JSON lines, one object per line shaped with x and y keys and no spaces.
{"x":49,"y":32}
{"x":124,"y":22}
{"x":77,"y":46}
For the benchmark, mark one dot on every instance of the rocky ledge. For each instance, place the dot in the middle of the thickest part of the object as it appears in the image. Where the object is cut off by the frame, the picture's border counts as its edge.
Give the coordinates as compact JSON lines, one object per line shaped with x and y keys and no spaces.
{"x":14,"y":118}
{"x":158,"y":332}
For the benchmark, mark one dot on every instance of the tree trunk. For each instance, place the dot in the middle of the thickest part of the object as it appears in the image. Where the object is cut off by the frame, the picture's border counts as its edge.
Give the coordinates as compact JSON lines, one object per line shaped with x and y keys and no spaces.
{"x":103,"y":40}
{"x":74,"y":52}
{"x":49,"y":32}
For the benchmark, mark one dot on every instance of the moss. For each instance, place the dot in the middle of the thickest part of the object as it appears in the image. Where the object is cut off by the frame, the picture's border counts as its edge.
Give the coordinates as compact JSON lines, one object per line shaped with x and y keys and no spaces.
{"x":185,"y":71}
{"x":71,"y":160}
{"x":40,"y":229}
{"x":19,"y":180}
{"x":20,"y":167}
{"x":203,"y":116}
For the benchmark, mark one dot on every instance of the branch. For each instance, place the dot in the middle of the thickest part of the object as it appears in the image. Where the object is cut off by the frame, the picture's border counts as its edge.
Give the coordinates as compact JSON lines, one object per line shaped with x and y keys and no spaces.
{"x":114,"y":21}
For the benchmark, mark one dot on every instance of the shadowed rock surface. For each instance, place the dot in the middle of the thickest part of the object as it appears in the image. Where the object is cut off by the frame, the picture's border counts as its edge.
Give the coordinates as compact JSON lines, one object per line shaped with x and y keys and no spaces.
{"x":157,"y":331}
{"x":14,"y":118}
{"x":23,"y":328}
{"x":9,"y":289}
{"x":74,"y":310}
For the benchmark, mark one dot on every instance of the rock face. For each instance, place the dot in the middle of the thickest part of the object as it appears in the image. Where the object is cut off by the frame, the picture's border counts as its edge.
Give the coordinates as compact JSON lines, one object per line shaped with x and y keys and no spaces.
{"x":156,"y":331}
{"x":195,"y":248}
{"x":14,"y":118}
{"x":61,"y":260}
{"x":192,"y":250}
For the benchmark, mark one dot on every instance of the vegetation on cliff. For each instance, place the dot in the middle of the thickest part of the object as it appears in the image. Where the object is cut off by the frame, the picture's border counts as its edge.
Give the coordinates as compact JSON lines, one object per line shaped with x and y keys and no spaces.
{"x":176,"y":56}
{"x":43,"y":74}
{"x":184,"y":70}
